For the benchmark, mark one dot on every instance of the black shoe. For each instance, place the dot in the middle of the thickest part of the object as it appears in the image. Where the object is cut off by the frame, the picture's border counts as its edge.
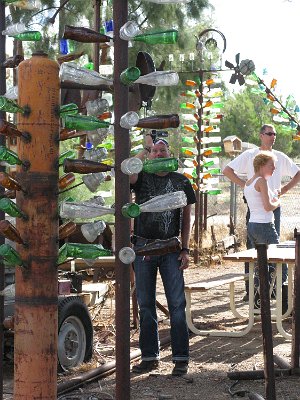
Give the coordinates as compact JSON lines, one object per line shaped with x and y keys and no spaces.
{"x":246,"y":297}
{"x":145,"y":366}
{"x":181,"y":368}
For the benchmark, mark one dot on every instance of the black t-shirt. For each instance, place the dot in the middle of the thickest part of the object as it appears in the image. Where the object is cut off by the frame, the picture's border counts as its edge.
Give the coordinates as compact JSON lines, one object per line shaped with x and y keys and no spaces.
{"x":160,"y":225}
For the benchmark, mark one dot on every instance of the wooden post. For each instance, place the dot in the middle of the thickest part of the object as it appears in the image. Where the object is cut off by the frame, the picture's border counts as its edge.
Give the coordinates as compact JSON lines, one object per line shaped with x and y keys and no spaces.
{"x":36,"y":284}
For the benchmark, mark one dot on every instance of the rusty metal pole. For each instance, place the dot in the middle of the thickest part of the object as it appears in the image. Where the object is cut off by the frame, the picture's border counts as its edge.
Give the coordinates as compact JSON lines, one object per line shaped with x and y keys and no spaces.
{"x":35,"y":355}
{"x":96,"y":46}
{"x":2,"y":169}
{"x":266,"y":325}
{"x":122,"y":225}
{"x":296,"y":305}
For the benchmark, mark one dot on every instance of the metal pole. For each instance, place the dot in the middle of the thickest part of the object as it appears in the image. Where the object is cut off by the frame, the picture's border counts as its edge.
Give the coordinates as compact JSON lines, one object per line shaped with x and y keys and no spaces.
{"x":122,"y":225}
{"x":296,"y":305}
{"x":36,"y":325}
{"x":2,"y":169}
{"x":266,"y":325}
{"x":97,"y":4}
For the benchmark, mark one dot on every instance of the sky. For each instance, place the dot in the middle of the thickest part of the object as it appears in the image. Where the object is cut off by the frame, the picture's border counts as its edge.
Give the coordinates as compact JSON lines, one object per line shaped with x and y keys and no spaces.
{"x":266,"y":31}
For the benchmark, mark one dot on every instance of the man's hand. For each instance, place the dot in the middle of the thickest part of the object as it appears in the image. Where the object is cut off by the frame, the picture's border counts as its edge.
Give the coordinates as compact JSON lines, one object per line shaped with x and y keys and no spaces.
{"x":185,"y":260}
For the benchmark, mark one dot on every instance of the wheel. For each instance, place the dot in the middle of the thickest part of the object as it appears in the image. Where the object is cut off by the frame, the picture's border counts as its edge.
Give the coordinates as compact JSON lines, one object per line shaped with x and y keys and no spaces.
{"x":75,"y":333}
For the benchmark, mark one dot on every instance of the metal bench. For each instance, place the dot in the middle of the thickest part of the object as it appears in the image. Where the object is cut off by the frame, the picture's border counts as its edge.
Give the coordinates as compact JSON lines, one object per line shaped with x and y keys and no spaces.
{"x":204,"y":286}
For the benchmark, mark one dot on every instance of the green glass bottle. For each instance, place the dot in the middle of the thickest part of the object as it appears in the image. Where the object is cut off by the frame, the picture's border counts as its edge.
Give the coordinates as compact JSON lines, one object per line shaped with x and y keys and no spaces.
{"x":67,"y":154}
{"x":213,"y":171}
{"x":10,"y":208}
{"x":10,"y":255}
{"x":28,"y":36}
{"x":82,"y":250}
{"x":68,"y":109}
{"x":131,"y":210}
{"x":160,"y":165}
{"x":218,"y":105}
{"x":10,"y":106}
{"x":129,"y":75}
{"x":159,"y":37}
{"x":208,"y":164}
{"x":9,"y":156}
{"x":84,"y":123}
{"x":214,"y":192}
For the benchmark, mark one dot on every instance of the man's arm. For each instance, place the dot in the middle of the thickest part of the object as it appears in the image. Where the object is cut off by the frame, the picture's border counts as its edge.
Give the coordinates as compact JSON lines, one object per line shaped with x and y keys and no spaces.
{"x":293,"y":182}
{"x":142,"y":155}
{"x":231,"y":175}
{"x":185,"y":235}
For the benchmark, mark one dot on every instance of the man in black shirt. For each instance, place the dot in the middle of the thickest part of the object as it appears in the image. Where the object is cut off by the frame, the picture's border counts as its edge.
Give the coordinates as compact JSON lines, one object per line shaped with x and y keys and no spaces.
{"x":161,"y":225}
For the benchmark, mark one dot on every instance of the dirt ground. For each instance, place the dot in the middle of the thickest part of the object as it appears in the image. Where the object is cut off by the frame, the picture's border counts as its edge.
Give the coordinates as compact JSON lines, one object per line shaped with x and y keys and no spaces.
{"x":211,"y":358}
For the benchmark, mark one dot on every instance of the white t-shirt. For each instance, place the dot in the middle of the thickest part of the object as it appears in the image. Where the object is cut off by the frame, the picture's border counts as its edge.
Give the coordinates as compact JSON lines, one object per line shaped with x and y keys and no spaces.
{"x":255,"y":203}
{"x":284,"y":166}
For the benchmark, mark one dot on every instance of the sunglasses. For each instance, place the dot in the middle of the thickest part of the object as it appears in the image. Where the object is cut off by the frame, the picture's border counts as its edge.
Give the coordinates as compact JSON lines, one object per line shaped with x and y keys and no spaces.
{"x":270,"y":133}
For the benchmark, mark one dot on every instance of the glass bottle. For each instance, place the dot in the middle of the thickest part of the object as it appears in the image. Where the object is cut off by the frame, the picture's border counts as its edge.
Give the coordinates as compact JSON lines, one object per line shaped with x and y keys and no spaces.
{"x":69,"y":57}
{"x":97,"y":154}
{"x":129,"y":120}
{"x":68,"y":109}
{"x":66,"y":134}
{"x":160,"y":165}
{"x":130,"y":75}
{"x":160,"y":37}
{"x":187,"y":105}
{"x":9,"y":182}
{"x":96,"y":107}
{"x":159,"y":78}
{"x":10,"y":106}
{"x":66,"y":180}
{"x":9,"y":156}
{"x":28,"y":4}
{"x":66,"y":229}
{"x":71,"y":72}
{"x":82,"y":166}
{"x":14,"y":29}
{"x":165,"y":202}
{"x":168,"y":1}
{"x":82,"y":250}
{"x":159,"y":122}
{"x":9,"y":194}
{"x":10,"y":232}
{"x":105,"y":115}
{"x":84,"y":35}
{"x":84,"y":122}
{"x":129,"y":30}
{"x":10,"y":255}
{"x":10,"y":208}
{"x":13,"y":62}
{"x":9,"y":129}
{"x":211,"y":139}
{"x":126,"y":255}
{"x":12,"y":93}
{"x":132,"y":165}
{"x":159,"y":247}
{"x":92,"y":230}
{"x":73,"y":210}
{"x":93,"y":181}
{"x":67,"y":154}
{"x":28,"y":36}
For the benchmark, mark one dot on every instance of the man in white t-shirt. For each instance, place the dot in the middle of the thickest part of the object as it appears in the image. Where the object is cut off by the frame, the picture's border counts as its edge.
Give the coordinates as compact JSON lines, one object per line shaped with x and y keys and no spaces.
{"x":243,"y":164}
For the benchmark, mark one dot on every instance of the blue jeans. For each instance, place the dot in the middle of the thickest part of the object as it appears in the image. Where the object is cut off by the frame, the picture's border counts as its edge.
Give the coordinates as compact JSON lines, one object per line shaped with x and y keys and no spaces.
{"x":145,"y":269}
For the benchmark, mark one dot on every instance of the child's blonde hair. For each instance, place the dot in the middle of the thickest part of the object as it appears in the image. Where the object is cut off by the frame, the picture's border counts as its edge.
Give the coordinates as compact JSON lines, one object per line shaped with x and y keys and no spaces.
{"x":261,"y":159}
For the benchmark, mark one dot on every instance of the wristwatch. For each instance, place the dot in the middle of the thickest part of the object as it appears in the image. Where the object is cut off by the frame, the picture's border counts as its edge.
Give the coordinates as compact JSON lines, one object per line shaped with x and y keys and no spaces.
{"x":185,"y":249}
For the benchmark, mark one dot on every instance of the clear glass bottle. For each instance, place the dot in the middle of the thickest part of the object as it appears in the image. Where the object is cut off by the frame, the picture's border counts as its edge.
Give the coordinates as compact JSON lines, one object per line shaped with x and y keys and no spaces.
{"x":82,"y":166}
{"x":11,"y":208}
{"x":98,"y":154}
{"x":10,"y":255}
{"x":71,"y":72}
{"x":129,"y":30}
{"x":92,"y":230}
{"x":160,"y":247}
{"x":93,"y":181}
{"x":10,"y":106}
{"x":160,"y":37}
{"x":159,"y":78}
{"x":14,"y":29}
{"x":73,"y":210}
{"x":160,"y":165}
{"x":10,"y":232}
{"x":84,"y":35}
{"x":12,"y":93}
{"x":129,"y":120}
{"x":132,"y":165}
{"x":127,"y":255}
{"x":28,"y":36}
{"x":96,"y":107}
{"x":84,"y":122}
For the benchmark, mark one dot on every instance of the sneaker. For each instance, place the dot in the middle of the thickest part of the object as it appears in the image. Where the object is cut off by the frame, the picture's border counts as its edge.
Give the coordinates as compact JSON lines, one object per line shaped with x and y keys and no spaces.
{"x":180,"y":368}
{"x":246,"y":297}
{"x":145,"y":366}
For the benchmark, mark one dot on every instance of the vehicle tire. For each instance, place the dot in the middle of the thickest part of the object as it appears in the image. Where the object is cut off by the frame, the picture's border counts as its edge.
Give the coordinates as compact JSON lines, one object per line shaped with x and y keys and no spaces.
{"x":75,"y":333}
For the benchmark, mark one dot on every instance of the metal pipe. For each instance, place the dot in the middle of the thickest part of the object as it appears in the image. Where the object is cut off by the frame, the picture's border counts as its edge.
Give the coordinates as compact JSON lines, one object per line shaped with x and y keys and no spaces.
{"x":35,"y":352}
{"x":266,"y":324}
{"x":97,"y":4}
{"x":122,"y":224}
{"x":100,"y":372}
{"x":296,"y":305}
{"x":2,"y":169}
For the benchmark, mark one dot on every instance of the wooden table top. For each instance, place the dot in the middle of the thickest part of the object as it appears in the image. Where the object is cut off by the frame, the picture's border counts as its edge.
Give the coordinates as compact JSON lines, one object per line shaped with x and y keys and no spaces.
{"x":275,"y":254}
